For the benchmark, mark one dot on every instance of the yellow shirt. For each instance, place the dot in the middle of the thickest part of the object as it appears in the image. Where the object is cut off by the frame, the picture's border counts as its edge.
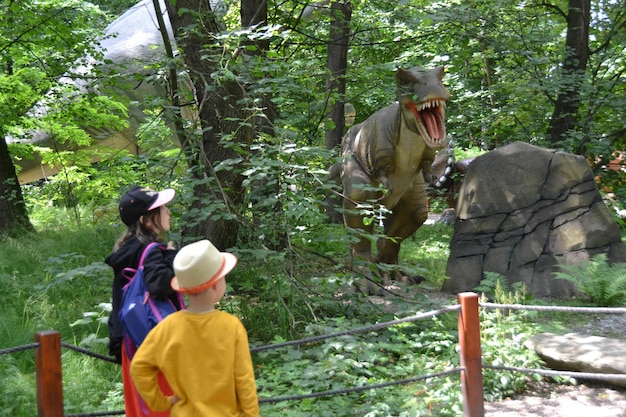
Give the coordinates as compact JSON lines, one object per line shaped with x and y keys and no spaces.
{"x":206,"y":360}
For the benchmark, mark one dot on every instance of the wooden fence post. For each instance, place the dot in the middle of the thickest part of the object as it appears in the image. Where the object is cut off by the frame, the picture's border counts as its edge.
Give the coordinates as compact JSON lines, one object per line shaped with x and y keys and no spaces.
{"x":49,"y":375}
{"x":469,"y":341}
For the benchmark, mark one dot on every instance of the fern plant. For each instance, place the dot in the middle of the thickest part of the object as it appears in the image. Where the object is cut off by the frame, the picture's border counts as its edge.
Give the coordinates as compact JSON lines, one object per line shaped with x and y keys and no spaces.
{"x":498,"y":288}
{"x":604,"y":283}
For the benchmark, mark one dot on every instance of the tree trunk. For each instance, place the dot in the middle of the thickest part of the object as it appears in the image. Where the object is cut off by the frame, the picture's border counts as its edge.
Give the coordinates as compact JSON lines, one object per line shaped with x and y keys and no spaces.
{"x":564,"y":117}
{"x":336,"y":65}
{"x":219,"y":113}
{"x":13,"y":214}
{"x":254,"y":12}
{"x":175,"y":112}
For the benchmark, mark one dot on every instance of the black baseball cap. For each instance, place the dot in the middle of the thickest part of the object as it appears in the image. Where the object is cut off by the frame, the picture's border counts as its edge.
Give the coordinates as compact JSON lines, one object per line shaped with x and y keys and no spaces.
{"x":140,"y":200}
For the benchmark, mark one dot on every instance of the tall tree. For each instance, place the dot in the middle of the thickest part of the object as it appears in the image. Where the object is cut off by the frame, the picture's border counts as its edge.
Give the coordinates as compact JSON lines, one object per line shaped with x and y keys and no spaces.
{"x":575,"y":57}
{"x":336,"y":65}
{"x":220,"y":101}
{"x":254,"y":14}
{"x":12,"y":207}
{"x":18,"y":89}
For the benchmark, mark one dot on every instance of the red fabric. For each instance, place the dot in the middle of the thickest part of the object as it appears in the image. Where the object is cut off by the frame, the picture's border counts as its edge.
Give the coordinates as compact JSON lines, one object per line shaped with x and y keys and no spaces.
{"x":133,"y":404}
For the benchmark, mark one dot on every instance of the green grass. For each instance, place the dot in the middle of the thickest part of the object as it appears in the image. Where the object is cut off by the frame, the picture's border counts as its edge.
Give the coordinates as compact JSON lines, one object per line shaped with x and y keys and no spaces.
{"x":429,"y":249}
{"x":48,"y":280}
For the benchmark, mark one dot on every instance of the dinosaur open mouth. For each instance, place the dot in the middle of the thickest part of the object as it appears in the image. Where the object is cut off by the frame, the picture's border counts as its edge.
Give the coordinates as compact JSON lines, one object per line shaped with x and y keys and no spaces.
{"x":429,"y":116}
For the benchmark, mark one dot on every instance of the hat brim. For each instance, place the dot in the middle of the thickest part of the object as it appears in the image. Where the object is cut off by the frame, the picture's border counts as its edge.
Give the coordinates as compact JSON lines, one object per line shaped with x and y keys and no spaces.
{"x":228,"y":263}
{"x":163,"y":197}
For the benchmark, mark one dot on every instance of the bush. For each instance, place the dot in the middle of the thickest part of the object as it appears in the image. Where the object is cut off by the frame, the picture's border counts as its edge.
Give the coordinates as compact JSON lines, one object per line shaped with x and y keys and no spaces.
{"x":604,"y":283}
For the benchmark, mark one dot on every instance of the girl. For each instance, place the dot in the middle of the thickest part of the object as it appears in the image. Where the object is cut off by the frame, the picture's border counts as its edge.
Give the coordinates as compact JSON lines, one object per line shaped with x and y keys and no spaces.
{"x":148,"y":219}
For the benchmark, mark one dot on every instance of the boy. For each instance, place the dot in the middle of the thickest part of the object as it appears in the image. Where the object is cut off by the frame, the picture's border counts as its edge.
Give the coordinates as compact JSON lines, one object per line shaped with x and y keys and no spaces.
{"x":203,"y":352}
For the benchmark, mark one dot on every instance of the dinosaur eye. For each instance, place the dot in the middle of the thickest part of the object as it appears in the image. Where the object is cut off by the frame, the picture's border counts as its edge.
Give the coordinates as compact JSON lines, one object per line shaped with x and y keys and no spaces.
{"x":415,"y":98}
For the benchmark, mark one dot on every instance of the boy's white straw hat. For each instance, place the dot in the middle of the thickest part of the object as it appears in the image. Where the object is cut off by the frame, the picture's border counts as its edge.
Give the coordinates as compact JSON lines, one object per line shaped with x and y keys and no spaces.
{"x":199,"y":266}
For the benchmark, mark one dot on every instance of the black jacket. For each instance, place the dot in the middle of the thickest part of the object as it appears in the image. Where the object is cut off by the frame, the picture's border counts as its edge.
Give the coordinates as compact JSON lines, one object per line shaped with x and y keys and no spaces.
{"x":158,"y":273}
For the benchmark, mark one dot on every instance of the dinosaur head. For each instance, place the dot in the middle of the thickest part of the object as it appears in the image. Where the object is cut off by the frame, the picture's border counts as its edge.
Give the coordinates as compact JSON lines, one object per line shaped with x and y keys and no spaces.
{"x":422,"y":97}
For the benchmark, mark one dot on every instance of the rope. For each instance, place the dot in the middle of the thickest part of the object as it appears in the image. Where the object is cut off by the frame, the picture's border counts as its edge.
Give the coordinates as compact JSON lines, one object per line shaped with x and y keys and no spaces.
{"x":602,"y":310}
{"x":97,"y":414}
{"x":88,"y":353}
{"x":579,"y":375}
{"x":364,"y":329}
{"x":450,"y":160}
{"x":359,"y":389}
{"x":378,"y":326}
{"x":19,"y":348}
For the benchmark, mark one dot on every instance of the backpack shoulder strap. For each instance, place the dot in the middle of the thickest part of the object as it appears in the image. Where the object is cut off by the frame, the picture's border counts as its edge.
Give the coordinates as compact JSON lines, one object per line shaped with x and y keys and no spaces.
{"x":129,"y":273}
{"x":145,"y":252}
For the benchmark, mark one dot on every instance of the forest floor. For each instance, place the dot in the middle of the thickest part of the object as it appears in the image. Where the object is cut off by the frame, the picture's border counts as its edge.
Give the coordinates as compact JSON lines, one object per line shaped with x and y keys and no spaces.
{"x":551,"y":399}
{"x":588,"y":399}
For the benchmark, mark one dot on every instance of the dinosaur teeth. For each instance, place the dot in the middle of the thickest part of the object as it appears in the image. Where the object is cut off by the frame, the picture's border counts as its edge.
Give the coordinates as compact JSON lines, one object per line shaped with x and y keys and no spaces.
{"x":431,"y":104}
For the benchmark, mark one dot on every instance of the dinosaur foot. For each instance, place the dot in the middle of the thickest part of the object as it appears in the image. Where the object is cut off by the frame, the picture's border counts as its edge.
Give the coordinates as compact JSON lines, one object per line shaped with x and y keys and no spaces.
{"x":397,"y":276}
{"x":368,"y":287}
{"x":411,"y":280}
{"x":372,"y":287}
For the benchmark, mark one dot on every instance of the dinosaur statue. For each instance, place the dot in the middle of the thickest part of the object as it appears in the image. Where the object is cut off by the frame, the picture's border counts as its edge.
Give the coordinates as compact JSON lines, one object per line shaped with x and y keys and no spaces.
{"x":385,"y":160}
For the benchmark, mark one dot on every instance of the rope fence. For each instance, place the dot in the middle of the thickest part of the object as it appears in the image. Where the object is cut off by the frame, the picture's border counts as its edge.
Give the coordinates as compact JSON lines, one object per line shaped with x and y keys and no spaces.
{"x":48,"y":346}
{"x":359,"y":389}
{"x":547,"y":372}
{"x":588,"y":310}
{"x":364,"y":329}
{"x":88,"y":352}
{"x":570,"y":374}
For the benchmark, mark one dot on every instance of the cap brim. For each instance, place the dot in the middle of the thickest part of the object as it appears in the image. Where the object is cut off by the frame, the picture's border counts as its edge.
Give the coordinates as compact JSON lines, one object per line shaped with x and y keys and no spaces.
{"x":163,"y":198}
{"x":230,"y":261}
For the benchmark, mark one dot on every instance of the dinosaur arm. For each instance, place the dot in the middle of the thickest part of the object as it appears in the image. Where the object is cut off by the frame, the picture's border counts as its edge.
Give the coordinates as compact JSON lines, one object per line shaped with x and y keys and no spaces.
{"x":427,"y":165}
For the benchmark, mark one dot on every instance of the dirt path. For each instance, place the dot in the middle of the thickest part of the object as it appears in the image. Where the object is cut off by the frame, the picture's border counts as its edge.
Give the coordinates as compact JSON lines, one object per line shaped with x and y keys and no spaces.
{"x":583,"y":400}
{"x":563,"y":401}
{"x":552,"y":399}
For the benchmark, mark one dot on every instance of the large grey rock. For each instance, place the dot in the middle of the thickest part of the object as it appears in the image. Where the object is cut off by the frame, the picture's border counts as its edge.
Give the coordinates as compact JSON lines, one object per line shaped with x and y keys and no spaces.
{"x":523,"y":210}
{"x":582,"y":353}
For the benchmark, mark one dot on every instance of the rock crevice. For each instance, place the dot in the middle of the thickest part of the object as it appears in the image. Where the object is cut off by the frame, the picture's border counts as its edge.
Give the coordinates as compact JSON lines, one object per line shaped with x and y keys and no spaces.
{"x":522,"y":210}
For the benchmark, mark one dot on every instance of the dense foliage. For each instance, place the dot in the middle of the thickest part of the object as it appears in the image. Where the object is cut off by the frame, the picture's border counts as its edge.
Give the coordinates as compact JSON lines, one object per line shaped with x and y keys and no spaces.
{"x":504,"y":63}
{"x":58,"y":281}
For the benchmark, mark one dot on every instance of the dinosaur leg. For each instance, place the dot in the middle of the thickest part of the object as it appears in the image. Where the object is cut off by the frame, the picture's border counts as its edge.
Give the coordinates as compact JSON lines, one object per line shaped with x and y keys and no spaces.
{"x":355,"y":183}
{"x":406,"y":217}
